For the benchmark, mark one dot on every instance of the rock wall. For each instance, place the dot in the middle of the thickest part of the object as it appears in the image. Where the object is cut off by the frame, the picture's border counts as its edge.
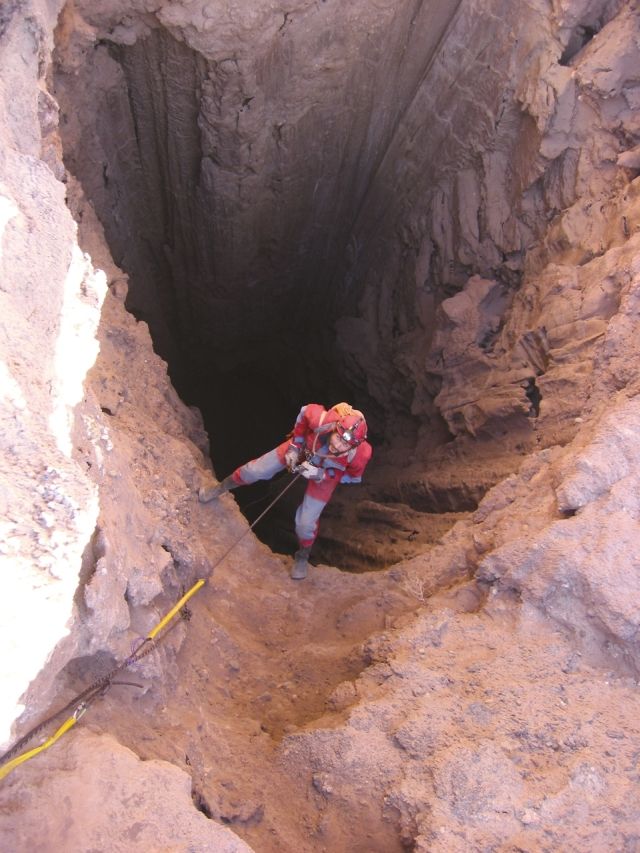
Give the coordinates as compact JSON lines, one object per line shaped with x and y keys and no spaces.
{"x":50,"y":297}
{"x":525,"y":137}
{"x":480,"y":693}
{"x":505,"y":364}
{"x":245,"y":192}
{"x":265,"y":187}
{"x":93,"y":545}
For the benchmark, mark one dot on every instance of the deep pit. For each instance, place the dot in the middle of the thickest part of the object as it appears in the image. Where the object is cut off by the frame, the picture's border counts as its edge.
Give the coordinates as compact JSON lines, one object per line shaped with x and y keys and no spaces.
{"x":236,"y":261}
{"x":248,"y":193}
{"x":429,"y":208}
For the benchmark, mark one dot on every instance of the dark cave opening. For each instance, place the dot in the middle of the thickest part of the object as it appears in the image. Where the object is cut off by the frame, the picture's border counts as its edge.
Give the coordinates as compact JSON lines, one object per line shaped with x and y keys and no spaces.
{"x":295,"y":219}
{"x":242,"y":294}
{"x":244,"y":330}
{"x":247,"y":336}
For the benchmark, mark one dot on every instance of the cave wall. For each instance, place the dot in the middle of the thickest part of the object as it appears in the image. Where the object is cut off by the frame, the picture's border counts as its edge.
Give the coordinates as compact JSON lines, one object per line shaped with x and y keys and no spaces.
{"x":502,"y":368}
{"x":246,"y":193}
{"x":521,"y":136}
{"x":467,"y":154}
{"x":80,"y":570}
{"x":93,"y":544}
{"x":50,"y":300}
{"x":497,"y":368}
{"x":93,"y":576}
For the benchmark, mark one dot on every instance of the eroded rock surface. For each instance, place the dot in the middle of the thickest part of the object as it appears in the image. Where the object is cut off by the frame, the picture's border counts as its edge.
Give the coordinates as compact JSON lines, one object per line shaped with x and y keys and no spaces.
{"x":482,"y":691}
{"x":109,"y":799}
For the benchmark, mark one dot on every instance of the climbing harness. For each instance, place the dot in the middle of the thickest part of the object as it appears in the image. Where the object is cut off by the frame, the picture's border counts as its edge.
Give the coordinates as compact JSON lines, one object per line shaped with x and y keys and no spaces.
{"x":83,"y":701}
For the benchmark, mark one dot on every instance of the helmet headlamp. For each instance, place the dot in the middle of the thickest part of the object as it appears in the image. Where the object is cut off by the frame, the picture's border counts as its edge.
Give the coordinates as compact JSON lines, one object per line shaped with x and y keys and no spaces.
{"x":349,"y":434}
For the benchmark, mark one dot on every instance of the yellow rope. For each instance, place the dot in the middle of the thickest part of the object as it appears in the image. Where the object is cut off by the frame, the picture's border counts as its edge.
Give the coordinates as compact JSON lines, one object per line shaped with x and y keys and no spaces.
{"x":175,"y":609}
{"x":11,"y":765}
{"x":15,"y":762}
{"x":5,"y":769}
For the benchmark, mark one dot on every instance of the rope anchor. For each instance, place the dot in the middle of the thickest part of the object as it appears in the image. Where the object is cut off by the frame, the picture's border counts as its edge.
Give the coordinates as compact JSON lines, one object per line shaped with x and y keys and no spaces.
{"x":83,"y":701}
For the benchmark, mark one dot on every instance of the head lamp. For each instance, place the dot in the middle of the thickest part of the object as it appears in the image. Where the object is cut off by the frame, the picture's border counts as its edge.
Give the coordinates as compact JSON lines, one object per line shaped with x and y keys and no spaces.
{"x":348,"y":434}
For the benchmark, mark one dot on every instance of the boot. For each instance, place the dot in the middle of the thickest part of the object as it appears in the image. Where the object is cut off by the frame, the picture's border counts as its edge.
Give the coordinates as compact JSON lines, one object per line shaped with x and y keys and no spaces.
{"x":210,"y":494}
{"x":301,"y":564}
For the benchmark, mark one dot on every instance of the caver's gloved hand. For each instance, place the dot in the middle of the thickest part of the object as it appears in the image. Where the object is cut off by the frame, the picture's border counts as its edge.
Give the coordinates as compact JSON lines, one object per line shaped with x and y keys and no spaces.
{"x":292,"y":457}
{"x":310,"y":472}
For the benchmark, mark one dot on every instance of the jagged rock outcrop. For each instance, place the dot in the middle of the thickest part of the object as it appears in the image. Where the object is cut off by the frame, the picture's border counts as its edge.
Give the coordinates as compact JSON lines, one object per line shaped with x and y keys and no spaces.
{"x":50,"y":300}
{"x":125,"y":804}
{"x":523,"y":138}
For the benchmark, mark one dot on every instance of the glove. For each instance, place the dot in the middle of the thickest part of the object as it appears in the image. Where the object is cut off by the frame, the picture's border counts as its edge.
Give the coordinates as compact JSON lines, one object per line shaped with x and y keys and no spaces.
{"x":292,"y":457}
{"x":310,"y":472}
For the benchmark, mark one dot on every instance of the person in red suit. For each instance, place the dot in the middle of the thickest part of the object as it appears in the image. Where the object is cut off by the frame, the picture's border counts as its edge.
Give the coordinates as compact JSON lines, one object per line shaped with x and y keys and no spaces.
{"x":326,"y":447}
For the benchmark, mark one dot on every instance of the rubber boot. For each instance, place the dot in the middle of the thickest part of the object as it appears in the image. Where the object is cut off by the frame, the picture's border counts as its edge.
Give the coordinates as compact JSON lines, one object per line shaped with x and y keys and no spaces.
{"x":301,"y":564}
{"x":210,"y":494}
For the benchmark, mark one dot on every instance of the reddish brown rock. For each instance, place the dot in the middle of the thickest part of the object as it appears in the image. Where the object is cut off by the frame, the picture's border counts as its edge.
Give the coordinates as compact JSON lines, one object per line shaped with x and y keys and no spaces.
{"x":462,"y":178}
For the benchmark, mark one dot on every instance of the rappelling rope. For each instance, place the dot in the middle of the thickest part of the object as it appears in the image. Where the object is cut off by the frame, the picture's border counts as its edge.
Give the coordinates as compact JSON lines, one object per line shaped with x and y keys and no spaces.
{"x":83,"y":701}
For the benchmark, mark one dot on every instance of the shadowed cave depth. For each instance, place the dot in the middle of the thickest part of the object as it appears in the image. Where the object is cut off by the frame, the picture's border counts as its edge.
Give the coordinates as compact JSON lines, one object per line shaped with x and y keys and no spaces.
{"x":291,"y":218}
{"x":241,"y":292}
